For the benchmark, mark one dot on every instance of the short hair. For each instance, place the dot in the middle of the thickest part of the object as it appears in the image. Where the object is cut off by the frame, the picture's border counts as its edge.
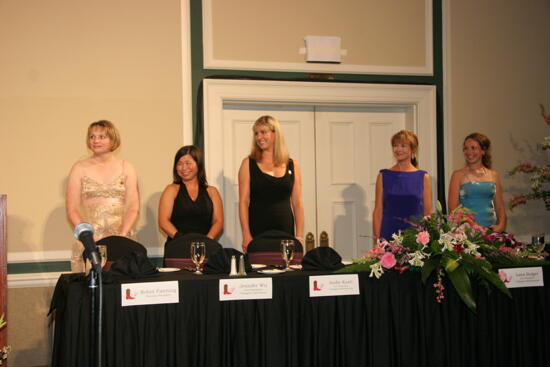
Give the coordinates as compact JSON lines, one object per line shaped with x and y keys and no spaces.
{"x":410,"y":138}
{"x":280,"y":151}
{"x":485,"y":144}
{"x":197,"y":156}
{"x":110,"y":130}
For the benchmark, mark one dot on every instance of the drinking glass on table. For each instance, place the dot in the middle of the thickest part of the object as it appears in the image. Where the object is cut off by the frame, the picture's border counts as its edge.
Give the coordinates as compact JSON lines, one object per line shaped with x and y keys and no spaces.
{"x":538,"y":243}
{"x":198,"y":253}
{"x":287,"y":250}
{"x":102,"y":250}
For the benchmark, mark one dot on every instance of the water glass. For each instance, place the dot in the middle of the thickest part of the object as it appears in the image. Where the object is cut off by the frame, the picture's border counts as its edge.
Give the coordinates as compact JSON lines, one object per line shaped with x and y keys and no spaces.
{"x":198,"y":253}
{"x":287,"y":250}
{"x":537,"y":242}
{"x":102,"y":250}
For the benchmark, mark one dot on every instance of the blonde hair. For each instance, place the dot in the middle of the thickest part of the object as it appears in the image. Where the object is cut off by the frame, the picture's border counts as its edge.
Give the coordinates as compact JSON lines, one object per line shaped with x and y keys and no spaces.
{"x":280,"y":152}
{"x":409,"y":137}
{"x":110,"y":130}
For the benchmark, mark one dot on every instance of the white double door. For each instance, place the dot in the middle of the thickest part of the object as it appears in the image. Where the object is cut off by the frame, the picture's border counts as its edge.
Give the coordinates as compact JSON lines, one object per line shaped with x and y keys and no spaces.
{"x":339,"y":150}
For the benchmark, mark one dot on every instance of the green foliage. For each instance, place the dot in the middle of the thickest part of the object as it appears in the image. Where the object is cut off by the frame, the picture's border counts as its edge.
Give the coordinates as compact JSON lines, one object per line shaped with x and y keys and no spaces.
{"x":453,"y":247}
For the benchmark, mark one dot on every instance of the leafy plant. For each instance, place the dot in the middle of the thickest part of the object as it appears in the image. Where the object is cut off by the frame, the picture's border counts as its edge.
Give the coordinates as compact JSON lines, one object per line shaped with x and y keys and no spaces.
{"x":450,"y":246}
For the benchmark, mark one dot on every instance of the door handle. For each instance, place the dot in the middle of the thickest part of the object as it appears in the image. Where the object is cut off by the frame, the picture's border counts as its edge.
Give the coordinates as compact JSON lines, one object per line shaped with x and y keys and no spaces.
{"x":323,"y":239}
{"x":310,"y":241}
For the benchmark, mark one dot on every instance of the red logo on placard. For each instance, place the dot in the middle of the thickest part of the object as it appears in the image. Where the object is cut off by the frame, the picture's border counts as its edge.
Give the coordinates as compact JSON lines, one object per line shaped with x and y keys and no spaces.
{"x":129,"y":294}
{"x":226,"y":289}
{"x":316,"y":287}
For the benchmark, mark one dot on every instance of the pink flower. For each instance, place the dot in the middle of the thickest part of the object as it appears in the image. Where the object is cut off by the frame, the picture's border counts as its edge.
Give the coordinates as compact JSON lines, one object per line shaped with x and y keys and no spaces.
{"x":402,"y":269}
{"x":547,"y":118}
{"x":376,"y":252}
{"x":518,"y":199}
{"x":388,"y":260}
{"x":528,"y":167}
{"x":479,"y":228}
{"x":423,"y":238}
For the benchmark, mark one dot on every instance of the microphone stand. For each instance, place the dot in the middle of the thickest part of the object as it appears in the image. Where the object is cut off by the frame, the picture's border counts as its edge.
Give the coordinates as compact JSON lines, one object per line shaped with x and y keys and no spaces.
{"x":95,"y":283}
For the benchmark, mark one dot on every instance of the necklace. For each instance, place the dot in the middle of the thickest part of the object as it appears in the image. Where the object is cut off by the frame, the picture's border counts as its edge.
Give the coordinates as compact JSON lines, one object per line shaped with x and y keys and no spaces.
{"x":478,"y":172}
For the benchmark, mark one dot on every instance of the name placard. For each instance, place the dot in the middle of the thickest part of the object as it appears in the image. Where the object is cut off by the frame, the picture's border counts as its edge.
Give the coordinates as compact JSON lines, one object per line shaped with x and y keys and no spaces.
{"x":522,"y":277}
{"x":333,"y":285}
{"x":245,"y":288}
{"x":150,"y":293}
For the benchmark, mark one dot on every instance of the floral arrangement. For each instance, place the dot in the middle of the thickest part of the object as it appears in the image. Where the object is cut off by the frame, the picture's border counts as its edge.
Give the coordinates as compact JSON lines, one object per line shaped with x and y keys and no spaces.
{"x":451,"y":246}
{"x":5,"y":350}
{"x":540,"y":175}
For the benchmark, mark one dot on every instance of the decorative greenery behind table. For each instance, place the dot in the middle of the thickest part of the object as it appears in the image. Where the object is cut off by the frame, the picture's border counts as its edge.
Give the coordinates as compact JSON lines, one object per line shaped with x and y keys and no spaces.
{"x":453,"y":247}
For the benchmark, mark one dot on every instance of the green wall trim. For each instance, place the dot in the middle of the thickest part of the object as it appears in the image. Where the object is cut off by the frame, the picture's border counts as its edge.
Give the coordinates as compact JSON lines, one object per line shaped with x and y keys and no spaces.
{"x":199,"y":74}
{"x":39,"y":267}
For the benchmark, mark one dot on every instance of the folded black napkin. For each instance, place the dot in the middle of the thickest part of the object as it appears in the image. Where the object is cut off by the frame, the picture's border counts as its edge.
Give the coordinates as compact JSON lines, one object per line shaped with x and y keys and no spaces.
{"x":133,"y":266}
{"x":220,"y":262}
{"x":322,"y":258}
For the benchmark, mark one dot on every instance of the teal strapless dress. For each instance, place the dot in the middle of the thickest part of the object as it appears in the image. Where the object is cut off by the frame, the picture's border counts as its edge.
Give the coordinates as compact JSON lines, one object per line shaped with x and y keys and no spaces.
{"x":478,"y":197}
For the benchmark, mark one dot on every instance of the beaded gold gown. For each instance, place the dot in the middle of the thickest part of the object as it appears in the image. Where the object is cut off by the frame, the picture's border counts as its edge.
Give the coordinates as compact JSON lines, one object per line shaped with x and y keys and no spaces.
{"x":103,"y":206}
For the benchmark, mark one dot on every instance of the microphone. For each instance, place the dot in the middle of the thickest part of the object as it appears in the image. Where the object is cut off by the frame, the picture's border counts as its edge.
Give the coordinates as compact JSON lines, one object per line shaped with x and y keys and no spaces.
{"x":84,"y":232}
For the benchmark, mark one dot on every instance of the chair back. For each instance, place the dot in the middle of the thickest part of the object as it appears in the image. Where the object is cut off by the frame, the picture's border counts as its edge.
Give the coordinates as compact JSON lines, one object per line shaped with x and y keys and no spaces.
{"x":266,"y":248}
{"x":177,"y":252}
{"x":118,"y":246}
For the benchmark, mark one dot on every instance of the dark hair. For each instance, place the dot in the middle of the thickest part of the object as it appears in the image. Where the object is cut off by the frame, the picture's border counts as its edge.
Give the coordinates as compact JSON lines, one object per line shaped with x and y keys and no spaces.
{"x":485,"y":145}
{"x":197,"y":156}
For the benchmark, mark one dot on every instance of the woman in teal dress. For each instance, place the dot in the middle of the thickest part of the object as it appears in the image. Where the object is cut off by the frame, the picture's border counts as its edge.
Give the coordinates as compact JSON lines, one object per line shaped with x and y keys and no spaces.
{"x":477,"y":187}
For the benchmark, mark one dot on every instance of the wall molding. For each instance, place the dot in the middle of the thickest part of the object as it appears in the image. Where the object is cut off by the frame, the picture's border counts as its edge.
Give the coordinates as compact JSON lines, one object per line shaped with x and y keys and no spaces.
{"x":447,"y":95}
{"x":48,"y":256}
{"x":212,"y":63}
{"x":420,"y":100}
{"x":186,"y":75}
{"x":33,"y":280}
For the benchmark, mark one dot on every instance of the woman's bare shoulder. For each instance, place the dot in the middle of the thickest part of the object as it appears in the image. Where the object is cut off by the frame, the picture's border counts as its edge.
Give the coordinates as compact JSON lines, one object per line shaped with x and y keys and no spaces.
{"x":458,"y":173}
{"x":81,"y":165}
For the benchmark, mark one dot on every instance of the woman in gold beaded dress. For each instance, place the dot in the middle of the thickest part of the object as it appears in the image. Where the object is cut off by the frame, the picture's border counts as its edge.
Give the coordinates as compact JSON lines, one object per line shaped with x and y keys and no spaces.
{"x":102,"y":190}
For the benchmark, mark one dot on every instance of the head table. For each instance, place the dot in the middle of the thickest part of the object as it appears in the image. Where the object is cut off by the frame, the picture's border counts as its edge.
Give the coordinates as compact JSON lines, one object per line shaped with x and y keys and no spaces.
{"x":395,"y":321}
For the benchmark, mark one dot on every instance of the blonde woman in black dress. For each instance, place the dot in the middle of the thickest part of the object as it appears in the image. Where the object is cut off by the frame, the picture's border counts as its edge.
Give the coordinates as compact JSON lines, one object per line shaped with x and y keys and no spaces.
{"x":270,"y":185}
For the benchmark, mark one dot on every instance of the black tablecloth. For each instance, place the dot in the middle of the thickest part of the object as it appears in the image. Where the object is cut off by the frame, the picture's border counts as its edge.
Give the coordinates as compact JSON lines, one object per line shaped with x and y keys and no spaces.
{"x":394,"y":322}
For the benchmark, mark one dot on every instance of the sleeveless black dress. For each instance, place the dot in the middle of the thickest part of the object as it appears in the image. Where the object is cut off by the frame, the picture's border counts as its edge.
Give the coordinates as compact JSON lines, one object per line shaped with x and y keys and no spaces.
{"x":269,"y":206}
{"x":190,"y":216}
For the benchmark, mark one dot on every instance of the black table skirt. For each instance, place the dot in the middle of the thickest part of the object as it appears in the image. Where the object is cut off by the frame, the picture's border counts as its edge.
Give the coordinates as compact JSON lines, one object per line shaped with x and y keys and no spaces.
{"x":394,"y":322}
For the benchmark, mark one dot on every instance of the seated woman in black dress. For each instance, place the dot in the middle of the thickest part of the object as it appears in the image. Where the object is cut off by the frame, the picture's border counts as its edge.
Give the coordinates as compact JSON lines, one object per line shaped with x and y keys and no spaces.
{"x":189,"y":204}
{"x":270,"y":185}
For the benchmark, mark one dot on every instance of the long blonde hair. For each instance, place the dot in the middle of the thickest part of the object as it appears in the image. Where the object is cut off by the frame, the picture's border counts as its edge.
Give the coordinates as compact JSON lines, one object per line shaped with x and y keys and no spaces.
{"x":409,"y":137}
{"x":280,"y":152}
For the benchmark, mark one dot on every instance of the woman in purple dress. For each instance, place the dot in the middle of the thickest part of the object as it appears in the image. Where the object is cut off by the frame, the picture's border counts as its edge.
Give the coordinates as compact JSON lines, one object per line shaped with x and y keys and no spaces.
{"x":403,"y":192}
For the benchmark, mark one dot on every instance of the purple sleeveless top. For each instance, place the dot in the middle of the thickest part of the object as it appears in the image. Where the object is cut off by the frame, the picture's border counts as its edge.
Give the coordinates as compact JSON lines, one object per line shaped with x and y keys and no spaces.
{"x":403,"y":199}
